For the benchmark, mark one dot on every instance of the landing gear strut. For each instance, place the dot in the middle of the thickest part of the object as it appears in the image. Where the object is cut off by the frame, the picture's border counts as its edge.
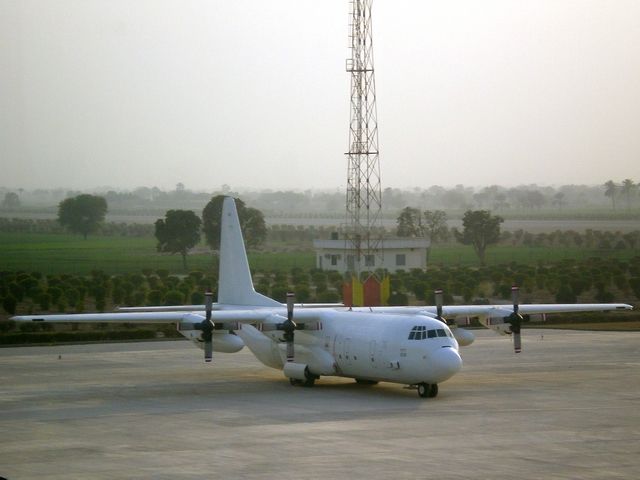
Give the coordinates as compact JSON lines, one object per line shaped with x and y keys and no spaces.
{"x":427,"y":390}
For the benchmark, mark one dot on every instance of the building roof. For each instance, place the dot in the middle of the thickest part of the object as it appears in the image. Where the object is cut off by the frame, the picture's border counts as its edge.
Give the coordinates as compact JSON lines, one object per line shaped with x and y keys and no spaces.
{"x":387,"y":243}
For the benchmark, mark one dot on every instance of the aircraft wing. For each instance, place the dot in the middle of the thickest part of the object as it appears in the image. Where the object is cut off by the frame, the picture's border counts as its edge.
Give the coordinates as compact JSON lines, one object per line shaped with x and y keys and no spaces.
{"x":454,"y":311}
{"x":216,"y":306}
{"x":130,"y":317}
{"x":261,"y":315}
{"x":531,"y":309}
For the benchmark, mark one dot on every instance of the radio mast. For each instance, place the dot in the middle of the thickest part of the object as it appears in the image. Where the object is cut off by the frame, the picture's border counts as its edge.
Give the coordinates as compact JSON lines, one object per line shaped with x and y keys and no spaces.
{"x":364,"y":195}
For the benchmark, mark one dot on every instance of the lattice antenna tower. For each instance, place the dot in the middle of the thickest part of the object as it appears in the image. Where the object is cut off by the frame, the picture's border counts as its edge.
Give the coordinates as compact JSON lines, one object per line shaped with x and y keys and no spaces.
{"x":364,"y":195}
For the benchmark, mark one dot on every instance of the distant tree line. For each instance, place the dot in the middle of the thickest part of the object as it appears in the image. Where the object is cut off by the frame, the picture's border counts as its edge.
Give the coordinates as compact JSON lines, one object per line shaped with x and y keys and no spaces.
{"x":328,"y":203}
{"x":47,"y":226}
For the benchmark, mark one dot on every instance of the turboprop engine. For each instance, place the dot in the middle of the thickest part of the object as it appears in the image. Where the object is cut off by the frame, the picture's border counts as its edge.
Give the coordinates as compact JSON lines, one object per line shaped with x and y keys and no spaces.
{"x":507,"y":322}
{"x":202,"y":331}
{"x":462,"y":336}
{"x":221,"y":340}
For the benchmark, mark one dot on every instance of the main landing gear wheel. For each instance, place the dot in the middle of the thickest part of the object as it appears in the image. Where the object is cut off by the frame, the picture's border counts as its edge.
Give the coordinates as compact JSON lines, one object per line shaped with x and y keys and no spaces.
{"x":427,"y":390}
{"x":309,"y":382}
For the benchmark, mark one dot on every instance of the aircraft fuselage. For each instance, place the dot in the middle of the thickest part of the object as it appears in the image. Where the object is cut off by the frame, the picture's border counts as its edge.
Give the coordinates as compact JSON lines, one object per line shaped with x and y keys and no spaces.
{"x":377,"y":347}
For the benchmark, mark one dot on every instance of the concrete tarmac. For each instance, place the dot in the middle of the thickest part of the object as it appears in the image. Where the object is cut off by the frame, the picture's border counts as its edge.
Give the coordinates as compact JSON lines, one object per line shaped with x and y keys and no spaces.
{"x":568,"y":407}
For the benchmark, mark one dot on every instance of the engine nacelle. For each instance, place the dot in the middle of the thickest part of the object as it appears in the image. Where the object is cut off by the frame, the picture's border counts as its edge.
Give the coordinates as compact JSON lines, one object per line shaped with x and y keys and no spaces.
{"x":498,"y":321}
{"x":227,"y":343}
{"x":463,"y":337}
{"x":222,"y":341}
{"x":299,"y":371}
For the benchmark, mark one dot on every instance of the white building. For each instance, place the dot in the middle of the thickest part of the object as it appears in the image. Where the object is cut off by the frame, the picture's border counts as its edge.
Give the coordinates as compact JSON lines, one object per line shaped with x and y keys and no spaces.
{"x":396,"y":253}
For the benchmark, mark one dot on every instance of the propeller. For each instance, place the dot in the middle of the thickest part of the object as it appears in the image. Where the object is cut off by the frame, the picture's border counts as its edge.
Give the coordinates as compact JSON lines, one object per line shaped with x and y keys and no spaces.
{"x":462,"y":336}
{"x":207,"y":327}
{"x":438,"y":295}
{"x":289,"y":327}
{"x":515,"y":319}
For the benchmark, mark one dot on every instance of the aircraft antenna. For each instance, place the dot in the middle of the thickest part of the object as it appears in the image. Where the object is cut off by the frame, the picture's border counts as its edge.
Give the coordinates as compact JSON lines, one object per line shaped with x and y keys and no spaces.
{"x":364,"y":194}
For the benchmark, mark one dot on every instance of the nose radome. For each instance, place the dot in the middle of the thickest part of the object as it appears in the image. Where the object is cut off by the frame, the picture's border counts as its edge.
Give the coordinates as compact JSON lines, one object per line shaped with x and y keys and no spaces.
{"x":446,"y":363}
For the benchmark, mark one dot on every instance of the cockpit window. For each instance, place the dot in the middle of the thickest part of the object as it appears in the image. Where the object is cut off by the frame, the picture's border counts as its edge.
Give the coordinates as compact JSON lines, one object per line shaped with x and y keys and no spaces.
{"x":420,"y":332}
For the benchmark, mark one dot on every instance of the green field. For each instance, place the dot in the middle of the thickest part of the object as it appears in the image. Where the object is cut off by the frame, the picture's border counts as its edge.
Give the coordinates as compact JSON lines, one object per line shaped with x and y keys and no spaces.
{"x":465,"y":256}
{"x":55,"y":254}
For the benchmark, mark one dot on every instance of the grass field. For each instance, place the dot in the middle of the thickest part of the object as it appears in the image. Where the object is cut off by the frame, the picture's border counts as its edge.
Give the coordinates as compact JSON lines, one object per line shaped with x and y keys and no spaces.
{"x":55,"y":254}
{"x":464,"y":255}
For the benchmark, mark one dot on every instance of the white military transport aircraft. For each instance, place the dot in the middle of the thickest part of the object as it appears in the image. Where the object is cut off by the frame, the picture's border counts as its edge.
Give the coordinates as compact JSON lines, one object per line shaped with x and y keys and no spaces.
{"x":415,"y":346}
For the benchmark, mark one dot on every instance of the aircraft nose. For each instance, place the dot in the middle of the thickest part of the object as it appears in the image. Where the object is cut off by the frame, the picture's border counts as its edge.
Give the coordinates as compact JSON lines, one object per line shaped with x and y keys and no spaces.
{"x":446,"y":363}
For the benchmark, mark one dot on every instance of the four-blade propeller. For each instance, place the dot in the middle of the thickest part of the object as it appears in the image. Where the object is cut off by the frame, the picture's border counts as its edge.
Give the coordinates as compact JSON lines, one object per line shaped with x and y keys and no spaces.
{"x":288,"y":327}
{"x":438,"y":297}
{"x":207,"y":327}
{"x":515,"y":319}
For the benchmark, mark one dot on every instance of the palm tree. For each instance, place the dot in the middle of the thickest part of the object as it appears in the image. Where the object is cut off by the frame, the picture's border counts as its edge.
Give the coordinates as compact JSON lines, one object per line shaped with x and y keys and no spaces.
{"x":627,"y":189}
{"x":610,"y":191}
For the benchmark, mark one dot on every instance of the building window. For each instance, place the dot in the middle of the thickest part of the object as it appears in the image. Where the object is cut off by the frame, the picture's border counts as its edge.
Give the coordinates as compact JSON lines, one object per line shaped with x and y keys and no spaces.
{"x":334,"y":260}
{"x":351,"y":265}
{"x":401,"y":259}
{"x":369,"y":261}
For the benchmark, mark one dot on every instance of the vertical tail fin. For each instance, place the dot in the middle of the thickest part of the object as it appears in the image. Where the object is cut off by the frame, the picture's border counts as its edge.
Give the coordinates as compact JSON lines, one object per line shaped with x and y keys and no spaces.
{"x":235,"y":286}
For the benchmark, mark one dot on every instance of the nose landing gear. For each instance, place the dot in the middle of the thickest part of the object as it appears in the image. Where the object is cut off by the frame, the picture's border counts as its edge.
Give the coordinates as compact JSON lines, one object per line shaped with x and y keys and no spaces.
{"x":428,"y":390}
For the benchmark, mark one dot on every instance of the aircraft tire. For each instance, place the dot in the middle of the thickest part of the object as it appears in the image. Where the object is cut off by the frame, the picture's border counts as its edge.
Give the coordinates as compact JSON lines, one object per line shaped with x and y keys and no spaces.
{"x":309,"y":382}
{"x":423,"y":390}
{"x":433,"y":390}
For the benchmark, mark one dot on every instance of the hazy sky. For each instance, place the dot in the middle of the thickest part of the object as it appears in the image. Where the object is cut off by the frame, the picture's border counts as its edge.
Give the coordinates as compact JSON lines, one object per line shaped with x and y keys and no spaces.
{"x":254,"y":93}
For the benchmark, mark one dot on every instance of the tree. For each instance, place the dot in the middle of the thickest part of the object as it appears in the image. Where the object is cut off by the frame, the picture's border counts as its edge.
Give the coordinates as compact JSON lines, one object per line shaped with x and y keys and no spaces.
{"x":628,"y":187}
{"x":9,"y":303}
{"x":254,"y":229}
{"x":82,"y":214}
{"x":610,"y":191}
{"x":480,"y":229}
{"x":178,"y":232}
{"x":558,"y":200}
{"x":435,"y":227}
{"x":11,"y":200}
{"x":409,"y":223}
